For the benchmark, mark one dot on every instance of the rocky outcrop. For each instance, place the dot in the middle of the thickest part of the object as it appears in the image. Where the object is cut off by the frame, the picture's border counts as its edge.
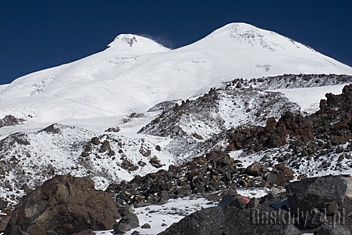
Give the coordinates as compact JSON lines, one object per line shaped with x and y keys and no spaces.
{"x":288,"y":81}
{"x":274,"y":134}
{"x":315,"y":200}
{"x":216,"y":171}
{"x":63,"y":205}
{"x":10,"y":120}
{"x":196,"y":126}
{"x":229,"y":219}
{"x":323,"y":133}
{"x":272,"y":214}
{"x":316,"y":193}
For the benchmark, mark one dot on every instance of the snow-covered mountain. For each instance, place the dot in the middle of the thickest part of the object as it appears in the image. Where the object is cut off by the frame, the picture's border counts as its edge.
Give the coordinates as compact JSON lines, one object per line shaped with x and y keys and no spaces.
{"x":134,"y":73}
{"x":138,"y":107}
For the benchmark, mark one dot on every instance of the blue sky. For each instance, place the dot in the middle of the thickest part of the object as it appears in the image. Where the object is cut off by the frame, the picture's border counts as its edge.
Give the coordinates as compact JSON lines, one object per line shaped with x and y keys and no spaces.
{"x":35,"y":34}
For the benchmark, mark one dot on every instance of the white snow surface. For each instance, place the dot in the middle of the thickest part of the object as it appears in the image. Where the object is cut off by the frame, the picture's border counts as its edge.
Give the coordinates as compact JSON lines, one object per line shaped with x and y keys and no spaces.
{"x":174,"y":210}
{"x":309,"y":98}
{"x":134,"y":73}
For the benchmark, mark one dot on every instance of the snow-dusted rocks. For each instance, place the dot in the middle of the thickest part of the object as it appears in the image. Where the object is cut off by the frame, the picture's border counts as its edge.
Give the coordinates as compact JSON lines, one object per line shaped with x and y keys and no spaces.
{"x":28,"y":159}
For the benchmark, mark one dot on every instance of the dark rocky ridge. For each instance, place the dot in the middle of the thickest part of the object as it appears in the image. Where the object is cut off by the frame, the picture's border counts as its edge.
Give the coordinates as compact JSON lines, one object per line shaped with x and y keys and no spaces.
{"x":214,"y":172}
{"x":324,"y":136}
{"x":10,"y":120}
{"x":331,"y":125}
{"x":287,"y":81}
{"x":198,"y":126}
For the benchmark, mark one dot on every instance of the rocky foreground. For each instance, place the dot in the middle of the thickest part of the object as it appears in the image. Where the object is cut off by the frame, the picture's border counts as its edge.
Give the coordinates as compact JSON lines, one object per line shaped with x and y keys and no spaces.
{"x":70,"y":205}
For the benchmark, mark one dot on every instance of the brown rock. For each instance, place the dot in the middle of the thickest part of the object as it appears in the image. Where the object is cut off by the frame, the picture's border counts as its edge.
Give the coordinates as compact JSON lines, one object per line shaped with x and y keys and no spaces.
{"x":255,"y":169}
{"x":158,"y":148}
{"x":63,"y":205}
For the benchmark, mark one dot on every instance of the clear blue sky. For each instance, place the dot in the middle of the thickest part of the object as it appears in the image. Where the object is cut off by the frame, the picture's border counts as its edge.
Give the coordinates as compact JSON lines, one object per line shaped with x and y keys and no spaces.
{"x":36,"y":34}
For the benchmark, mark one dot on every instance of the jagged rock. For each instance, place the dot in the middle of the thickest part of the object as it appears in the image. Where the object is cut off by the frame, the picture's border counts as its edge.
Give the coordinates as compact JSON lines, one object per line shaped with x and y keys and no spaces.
{"x":113,"y":129}
{"x":141,"y":163}
{"x":255,"y":169}
{"x":63,"y":205}
{"x":154,"y":161}
{"x":145,"y":152}
{"x":312,"y":193}
{"x":53,"y":129}
{"x":10,"y":120}
{"x":95,"y":141}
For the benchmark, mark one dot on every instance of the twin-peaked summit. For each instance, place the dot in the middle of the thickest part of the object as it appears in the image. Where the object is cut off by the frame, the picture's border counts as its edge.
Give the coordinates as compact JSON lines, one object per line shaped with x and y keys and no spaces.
{"x":134,"y":73}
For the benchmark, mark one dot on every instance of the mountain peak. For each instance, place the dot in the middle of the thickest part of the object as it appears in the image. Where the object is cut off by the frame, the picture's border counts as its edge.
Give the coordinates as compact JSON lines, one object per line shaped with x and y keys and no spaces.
{"x":243,"y":35}
{"x":234,"y":29}
{"x":136,"y":44}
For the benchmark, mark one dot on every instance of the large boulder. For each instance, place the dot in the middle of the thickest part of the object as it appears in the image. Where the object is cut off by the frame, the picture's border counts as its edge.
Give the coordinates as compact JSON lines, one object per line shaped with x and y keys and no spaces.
{"x":229,"y":220}
{"x":208,"y":221}
{"x":312,"y":193}
{"x":63,"y":205}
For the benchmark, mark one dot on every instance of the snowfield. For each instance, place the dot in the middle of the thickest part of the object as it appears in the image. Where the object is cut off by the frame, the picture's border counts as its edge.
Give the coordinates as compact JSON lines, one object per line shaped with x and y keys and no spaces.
{"x":135,"y":73}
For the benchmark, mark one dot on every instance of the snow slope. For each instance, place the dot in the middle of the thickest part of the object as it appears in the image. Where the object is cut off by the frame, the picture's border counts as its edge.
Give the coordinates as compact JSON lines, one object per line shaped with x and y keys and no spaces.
{"x":134,"y":73}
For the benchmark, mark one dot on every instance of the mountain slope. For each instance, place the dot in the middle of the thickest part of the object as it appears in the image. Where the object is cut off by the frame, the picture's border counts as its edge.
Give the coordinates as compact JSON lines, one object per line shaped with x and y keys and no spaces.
{"x":135,"y":73}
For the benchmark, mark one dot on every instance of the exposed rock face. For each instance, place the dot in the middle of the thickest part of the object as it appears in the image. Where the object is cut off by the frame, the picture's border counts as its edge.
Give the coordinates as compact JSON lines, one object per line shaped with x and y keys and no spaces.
{"x":272,"y":215}
{"x":10,"y":120}
{"x":316,"y":193}
{"x":63,"y":205}
{"x":216,"y":171}
{"x":332,"y":123}
{"x":229,"y":221}
{"x":274,"y":134}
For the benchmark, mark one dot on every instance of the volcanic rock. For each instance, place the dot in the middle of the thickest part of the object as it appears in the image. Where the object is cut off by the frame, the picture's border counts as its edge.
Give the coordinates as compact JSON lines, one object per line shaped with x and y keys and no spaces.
{"x":63,"y":205}
{"x":312,"y":193}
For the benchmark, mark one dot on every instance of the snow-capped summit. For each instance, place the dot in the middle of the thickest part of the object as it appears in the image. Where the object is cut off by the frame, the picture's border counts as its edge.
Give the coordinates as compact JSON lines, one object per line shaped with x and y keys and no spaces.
{"x":244,"y":35}
{"x":134,"y":44}
{"x":135,"y":73}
